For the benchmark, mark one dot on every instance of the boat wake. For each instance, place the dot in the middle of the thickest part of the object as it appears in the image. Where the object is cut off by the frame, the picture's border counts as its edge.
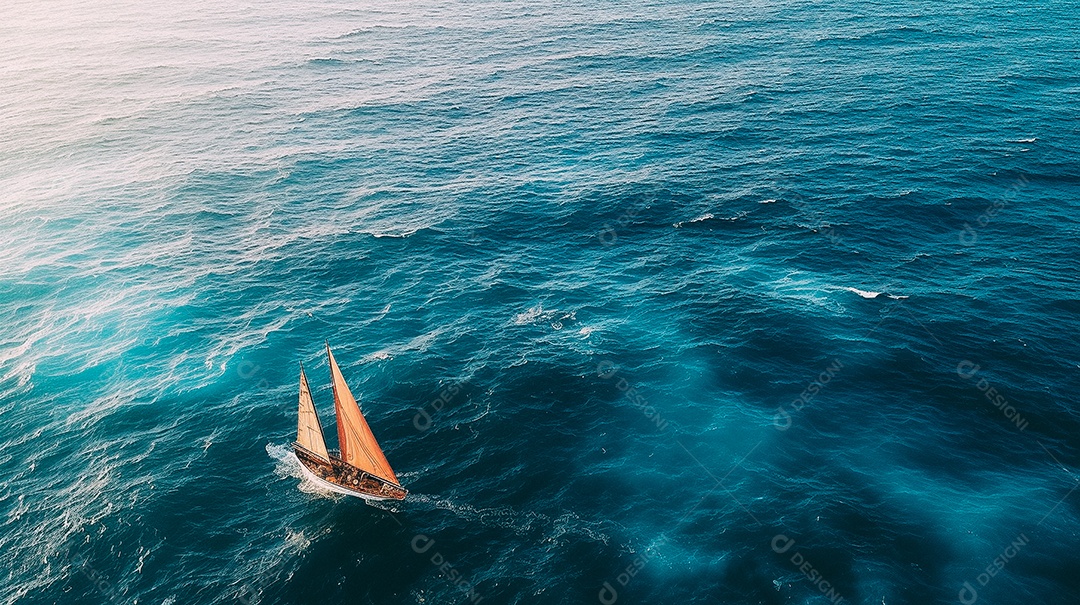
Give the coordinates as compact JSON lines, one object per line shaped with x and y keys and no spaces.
{"x":521,"y":523}
{"x":288,"y":467}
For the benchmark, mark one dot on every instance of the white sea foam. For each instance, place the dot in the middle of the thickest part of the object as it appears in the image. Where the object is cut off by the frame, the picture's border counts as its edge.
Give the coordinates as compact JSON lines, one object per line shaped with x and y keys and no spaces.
{"x":699,"y":219}
{"x":287,"y":464}
{"x":530,"y":316}
{"x":519,"y":362}
{"x":419,"y":343}
{"x":22,"y":366}
{"x":288,"y":467}
{"x":805,"y":289}
{"x":296,"y":541}
{"x":864,"y":293}
{"x":376,"y":356}
{"x":870,"y":294}
{"x":556,"y":319}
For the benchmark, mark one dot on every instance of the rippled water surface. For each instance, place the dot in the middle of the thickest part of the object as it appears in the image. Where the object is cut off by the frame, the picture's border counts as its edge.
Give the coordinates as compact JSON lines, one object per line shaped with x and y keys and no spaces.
{"x":662,"y":302}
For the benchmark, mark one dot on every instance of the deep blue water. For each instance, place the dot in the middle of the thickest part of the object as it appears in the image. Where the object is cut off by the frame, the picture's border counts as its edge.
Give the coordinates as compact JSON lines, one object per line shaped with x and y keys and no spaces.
{"x":625,"y":259}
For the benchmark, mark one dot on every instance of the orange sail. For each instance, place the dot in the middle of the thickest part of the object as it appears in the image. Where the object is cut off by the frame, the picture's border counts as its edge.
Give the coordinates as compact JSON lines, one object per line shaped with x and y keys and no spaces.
{"x":309,"y":433}
{"x":357,"y":443}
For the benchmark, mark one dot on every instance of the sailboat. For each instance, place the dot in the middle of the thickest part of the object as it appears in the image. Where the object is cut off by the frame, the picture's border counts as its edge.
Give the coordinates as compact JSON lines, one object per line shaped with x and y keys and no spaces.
{"x":360,"y":467}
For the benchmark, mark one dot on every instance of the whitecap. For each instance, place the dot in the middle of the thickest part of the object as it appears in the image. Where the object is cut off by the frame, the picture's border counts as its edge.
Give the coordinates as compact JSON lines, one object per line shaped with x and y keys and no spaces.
{"x":863,"y":293}
{"x":376,"y":356}
{"x":519,"y":362}
{"x":399,"y":234}
{"x":700,"y":219}
{"x":869,"y":294}
{"x":528,"y":317}
{"x":382,"y":313}
{"x":210,"y":440}
{"x":418,"y":343}
{"x":143,"y":554}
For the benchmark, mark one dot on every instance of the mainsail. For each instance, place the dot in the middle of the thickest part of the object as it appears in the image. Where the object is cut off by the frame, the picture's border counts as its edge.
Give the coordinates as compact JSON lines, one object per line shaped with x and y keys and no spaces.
{"x":309,"y":433}
{"x":357,"y":443}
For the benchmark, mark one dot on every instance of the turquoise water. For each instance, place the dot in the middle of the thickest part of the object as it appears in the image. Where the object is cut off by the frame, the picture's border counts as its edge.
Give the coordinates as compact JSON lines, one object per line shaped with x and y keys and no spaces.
{"x":677,"y":302}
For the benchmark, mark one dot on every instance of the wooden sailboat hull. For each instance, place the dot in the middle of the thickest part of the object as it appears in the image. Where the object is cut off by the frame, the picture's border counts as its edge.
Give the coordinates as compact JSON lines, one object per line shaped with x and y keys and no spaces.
{"x":360,"y":469}
{"x":342,"y":478}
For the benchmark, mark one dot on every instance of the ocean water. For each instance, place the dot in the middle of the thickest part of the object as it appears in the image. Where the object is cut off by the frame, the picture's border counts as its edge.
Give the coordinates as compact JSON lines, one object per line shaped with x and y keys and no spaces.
{"x":662,"y":302}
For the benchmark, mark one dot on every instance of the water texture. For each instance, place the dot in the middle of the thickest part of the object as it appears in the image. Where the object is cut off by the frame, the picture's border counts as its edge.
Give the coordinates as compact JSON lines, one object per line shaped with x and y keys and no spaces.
{"x":659,"y":302}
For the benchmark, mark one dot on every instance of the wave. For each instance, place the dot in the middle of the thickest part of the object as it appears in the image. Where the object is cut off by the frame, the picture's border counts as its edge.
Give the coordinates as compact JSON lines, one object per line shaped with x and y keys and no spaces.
{"x":402,"y":234}
{"x":871,"y":294}
{"x":708,"y":216}
{"x":537,"y":314}
{"x":326,"y":61}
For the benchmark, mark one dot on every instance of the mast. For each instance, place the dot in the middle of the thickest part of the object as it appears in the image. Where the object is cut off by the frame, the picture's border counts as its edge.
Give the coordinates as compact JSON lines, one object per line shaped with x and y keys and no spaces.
{"x":358,"y":445}
{"x":309,"y":433}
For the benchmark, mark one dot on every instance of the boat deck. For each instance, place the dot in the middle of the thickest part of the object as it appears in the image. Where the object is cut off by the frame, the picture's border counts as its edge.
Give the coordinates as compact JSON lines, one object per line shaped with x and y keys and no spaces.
{"x":348,"y":477}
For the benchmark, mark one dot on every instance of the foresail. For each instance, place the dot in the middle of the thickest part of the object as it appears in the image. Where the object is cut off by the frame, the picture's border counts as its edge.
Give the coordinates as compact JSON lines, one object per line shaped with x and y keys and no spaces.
{"x":309,"y":430}
{"x":358,"y":445}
